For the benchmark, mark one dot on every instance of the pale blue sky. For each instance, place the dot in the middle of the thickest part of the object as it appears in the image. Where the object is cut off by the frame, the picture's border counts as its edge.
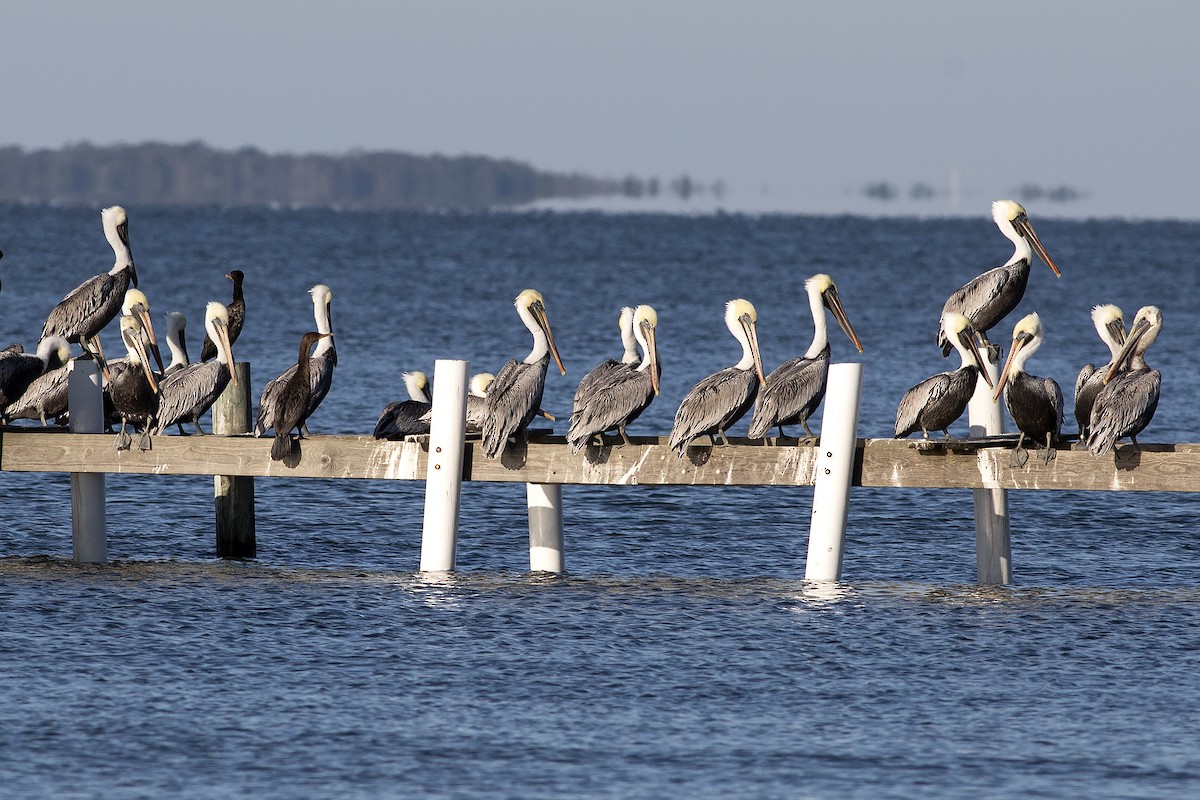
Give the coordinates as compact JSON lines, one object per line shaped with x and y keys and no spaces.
{"x":796,"y":105}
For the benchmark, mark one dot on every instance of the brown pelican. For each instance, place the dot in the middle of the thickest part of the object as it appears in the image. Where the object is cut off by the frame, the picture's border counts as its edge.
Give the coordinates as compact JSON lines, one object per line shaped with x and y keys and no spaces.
{"x":1126,"y":404}
{"x":236,"y":311}
{"x":936,"y":402}
{"x":515,"y":395}
{"x":190,"y":391}
{"x":724,"y":397}
{"x":320,"y":372}
{"x":1035,"y":404}
{"x":1110,"y":324}
{"x":614,"y":402}
{"x":406,"y":417}
{"x":83,"y":313}
{"x":46,"y":396}
{"x":292,"y":401}
{"x":177,"y":341}
{"x":793,"y":391}
{"x":607,"y":368}
{"x":132,"y":386}
{"x":988,"y":298}
{"x":18,"y":369}
{"x":477,"y":401}
{"x":138,"y":306}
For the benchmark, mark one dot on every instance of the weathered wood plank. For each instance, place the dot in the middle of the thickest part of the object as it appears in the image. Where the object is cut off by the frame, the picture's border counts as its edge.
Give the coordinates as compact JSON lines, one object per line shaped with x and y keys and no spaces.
{"x":880,"y":462}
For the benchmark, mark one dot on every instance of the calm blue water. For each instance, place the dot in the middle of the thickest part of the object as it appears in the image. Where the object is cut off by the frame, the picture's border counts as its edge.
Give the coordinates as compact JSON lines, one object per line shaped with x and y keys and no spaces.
{"x":681,"y":656}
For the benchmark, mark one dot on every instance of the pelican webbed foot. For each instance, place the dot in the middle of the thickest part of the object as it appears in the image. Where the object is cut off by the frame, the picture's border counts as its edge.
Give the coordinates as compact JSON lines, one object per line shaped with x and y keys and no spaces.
{"x":1020,"y":456}
{"x":144,"y":440}
{"x":123,"y":440}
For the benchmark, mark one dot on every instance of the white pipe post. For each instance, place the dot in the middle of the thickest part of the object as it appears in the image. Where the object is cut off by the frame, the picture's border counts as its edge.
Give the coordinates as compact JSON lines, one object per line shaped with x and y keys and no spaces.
{"x":545,"y":527}
{"x":443,"y":476}
{"x":85,"y":402}
{"x":993,"y":541}
{"x":834,"y":468}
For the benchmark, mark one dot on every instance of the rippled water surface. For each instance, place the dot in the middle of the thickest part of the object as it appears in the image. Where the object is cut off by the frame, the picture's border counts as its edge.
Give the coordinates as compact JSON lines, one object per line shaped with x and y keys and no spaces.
{"x":681,"y":656}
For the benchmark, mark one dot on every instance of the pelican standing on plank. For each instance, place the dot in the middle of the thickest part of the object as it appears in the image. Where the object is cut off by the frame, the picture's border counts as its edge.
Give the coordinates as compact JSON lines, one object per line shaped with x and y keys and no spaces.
{"x":46,"y":396}
{"x":1126,"y":404}
{"x":292,"y":401}
{"x":607,"y":368}
{"x":990,"y":297}
{"x":406,"y":417}
{"x":619,"y":399}
{"x":235,"y":312}
{"x":515,"y":395}
{"x":189,"y":392}
{"x":936,"y":402}
{"x":724,"y":397}
{"x":320,"y":371}
{"x":18,"y":369}
{"x":83,"y":313}
{"x":132,"y":385}
{"x":791,"y":393}
{"x":1110,"y":324}
{"x":1035,"y":404}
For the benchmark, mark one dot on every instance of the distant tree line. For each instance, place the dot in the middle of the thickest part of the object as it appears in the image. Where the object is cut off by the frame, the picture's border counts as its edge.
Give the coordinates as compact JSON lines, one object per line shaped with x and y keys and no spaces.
{"x":884,"y":190}
{"x":195,"y":174}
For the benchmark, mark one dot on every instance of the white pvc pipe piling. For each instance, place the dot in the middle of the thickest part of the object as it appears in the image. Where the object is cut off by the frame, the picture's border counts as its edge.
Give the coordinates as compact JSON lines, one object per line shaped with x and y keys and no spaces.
{"x":993,"y":541}
{"x":545,"y":527}
{"x":443,"y":477}
{"x":834,"y":468}
{"x":85,"y":402}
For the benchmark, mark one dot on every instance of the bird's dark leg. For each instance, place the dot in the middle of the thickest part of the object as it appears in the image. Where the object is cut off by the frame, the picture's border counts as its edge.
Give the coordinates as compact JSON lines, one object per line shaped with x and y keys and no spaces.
{"x":123,"y":438}
{"x":199,"y":430}
{"x":182,"y":432}
{"x":1050,"y":453}
{"x":724,"y":439}
{"x":1136,"y":447}
{"x":624,"y":436}
{"x":1019,"y":455}
{"x":144,"y":441}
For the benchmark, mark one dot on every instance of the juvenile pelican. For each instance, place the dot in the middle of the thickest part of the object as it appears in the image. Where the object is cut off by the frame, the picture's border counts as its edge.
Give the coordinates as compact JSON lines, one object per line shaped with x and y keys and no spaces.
{"x":1126,"y":404}
{"x":793,"y":391}
{"x":320,"y":372}
{"x":988,"y":298}
{"x":607,"y":368}
{"x":515,"y":395}
{"x":83,"y":313}
{"x":18,"y":369}
{"x":291,"y":403}
{"x":936,"y":402}
{"x":132,"y":386}
{"x":724,"y":397}
{"x":177,"y":341}
{"x":1035,"y":404}
{"x":1110,"y":324}
{"x":46,"y":396}
{"x":189,"y":392}
{"x":236,"y":311}
{"x":619,"y":399}
{"x":406,"y":417}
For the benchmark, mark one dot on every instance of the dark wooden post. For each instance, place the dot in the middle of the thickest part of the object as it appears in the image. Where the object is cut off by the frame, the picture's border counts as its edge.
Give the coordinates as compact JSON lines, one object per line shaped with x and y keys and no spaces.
{"x":234,"y":493}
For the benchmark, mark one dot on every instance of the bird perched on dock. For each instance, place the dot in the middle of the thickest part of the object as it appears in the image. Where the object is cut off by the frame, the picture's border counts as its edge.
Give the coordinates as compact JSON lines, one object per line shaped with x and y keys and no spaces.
{"x":936,"y":402}
{"x":291,"y":403}
{"x":18,"y":369}
{"x":791,"y":393}
{"x":88,"y":308}
{"x":989,"y":298}
{"x":236,"y":312}
{"x":724,"y":397}
{"x":476,"y":401}
{"x":611,"y":402}
{"x":189,"y":392}
{"x":1126,"y":404}
{"x":406,"y":417}
{"x":320,"y":374}
{"x":132,"y":385}
{"x":46,"y":396}
{"x":1035,"y":404}
{"x":605,"y":369}
{"x":176,"y":341}
{"x":1110,"y":325}
{"x":515,"y":395}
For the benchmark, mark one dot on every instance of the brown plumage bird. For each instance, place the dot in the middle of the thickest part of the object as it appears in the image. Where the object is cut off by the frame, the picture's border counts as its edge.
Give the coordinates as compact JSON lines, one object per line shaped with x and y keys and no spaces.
{"x":291,"y":404}
{"x":237,"y":315}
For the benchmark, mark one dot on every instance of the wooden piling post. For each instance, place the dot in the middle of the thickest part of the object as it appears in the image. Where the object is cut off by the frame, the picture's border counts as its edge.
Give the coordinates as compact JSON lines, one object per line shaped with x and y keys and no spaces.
{"x":234,"y":494}
{"x":545,"y":527}
{"x":85,"y":401}
{"x":834,"y":473}
{"x":443,"y":476}
{"x":993,"y":540}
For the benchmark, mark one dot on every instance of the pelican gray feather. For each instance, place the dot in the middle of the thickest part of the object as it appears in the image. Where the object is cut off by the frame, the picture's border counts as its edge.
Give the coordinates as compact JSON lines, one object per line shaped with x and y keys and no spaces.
{"x":189,"y":392}
{"x":320,"y":367}
{"x":1126,"y":404}
{"x":724,"y":397}
{"x":607,"y":368}
{"x":18,"y":370}
{"x":1035,"y":404}
{"x":46,"y":396}
{"x":406,"y":417}
{"x":791,"y":393}
{"x":989,"y":298}
{"x":936,"y":402}
{"x":614,"y":401}
{"x":515,"y":395}
{"x":1110,"y":325}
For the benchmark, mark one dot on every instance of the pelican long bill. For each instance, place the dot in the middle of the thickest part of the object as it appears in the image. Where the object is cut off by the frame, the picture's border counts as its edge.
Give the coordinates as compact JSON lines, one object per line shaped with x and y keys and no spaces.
{"x":1025,"y":227}
{"x":1140,"y":328}
{"x":833,"y":302}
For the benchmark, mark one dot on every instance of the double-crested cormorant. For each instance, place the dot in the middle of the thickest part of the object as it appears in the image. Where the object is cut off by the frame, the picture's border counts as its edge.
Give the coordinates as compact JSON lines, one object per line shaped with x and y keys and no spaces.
{"x":936,"y":402}
{"x":1035,"y":404}
{"x":724,"y":397}
{"x":236,"y":312}
{"x":406,"y":417}
{"x":292,"y":401}
{"x":791,"y":393}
